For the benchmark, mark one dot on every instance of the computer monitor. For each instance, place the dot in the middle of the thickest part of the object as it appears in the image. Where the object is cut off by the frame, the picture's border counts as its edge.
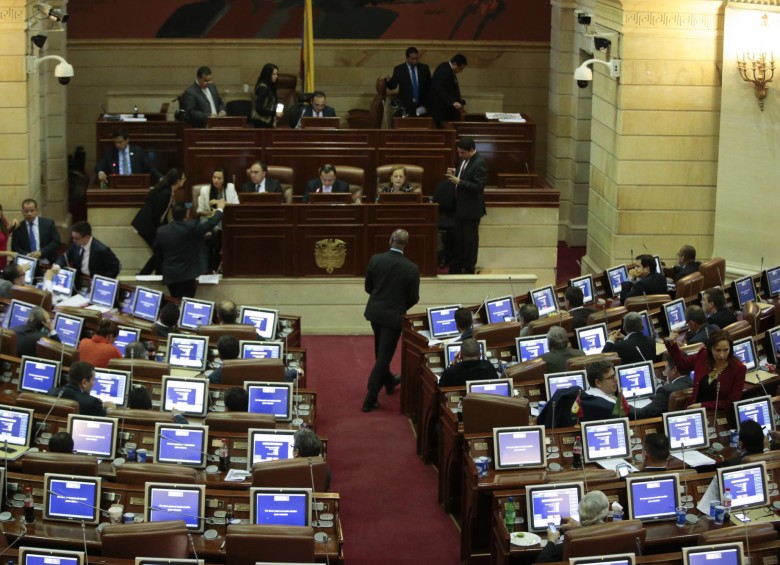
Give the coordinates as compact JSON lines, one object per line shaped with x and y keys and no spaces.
{"x":42,"y":556}
{"x":267,"y":444}
{"x":686,"y":429}
{"x":16,"y":314}
{"x":647,"y":324}
{"x":280,"y":506}
{"x":745,"y":350}
{"x":519,"y":447}
{"x":195,"y":313}
{"x":182,"y":444}
{"x":263,"y":319}
{"x":126,"y":335}
{"x":103,"y":291}
{"x":592,"y":339}
{"x":531,"y":347}
{"x":93,"y":435}
{"x":15,"y":427}
{"x":441,"y":321}
{"x":616,"y":276}
{"x":69,"y":498}
{"x":146,"y":303}
{"x":747,"y":483}
{"x":38,"y":375}
{"x":29,"y":262}
{"x":770,"y":281}
{"x":544,"y":299}
{"x":251,"y":349}
{"x":605,"y":439}
{"x":653,"y":498}
{"x":64,"y":281}
{"x":68,"y":328}
{"x":674,"y":315}
{"x":451,"y":350}
{"x":500,"y":309}
{"x":720,"y":554}
{"x":190,"y":396}
{"x":164,"y":502}
{"x":772,"y":344}
{"x":585,"y":284}
{"x":550,"y":503}
{"x":637,"y":380}
{"x":567,"y":379}
{"x":271,"y":398}
{"x":187,"y":351}
{"x":744,"y":290}
{"x":499,"y":387}
{"x":112,"y":385}
{"x":758,"y":409}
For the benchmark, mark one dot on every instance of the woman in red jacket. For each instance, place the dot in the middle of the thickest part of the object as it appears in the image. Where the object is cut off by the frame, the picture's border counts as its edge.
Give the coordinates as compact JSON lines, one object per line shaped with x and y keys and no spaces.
{"x":100,"y":348}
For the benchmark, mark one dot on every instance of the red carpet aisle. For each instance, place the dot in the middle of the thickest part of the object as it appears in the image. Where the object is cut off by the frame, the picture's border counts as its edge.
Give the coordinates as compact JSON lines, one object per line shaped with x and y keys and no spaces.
{"x":389,"y":510}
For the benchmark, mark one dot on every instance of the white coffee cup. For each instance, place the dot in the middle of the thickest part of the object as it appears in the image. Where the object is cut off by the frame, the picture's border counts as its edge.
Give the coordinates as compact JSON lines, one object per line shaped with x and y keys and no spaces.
{"x":115,"y":513}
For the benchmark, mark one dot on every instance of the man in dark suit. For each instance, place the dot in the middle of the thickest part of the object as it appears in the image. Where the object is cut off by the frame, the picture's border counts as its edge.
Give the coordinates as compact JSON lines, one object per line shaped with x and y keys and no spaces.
{"x":470,"y":367}
{"x":81,"y":380}
{"x":469,"y":178}
{"x":713,"y":301}
{"x":124,"y":159}
{"x":686,"y":262}
{"x":413,"y":80}
{"x":38,"y":325}
{"x":444,"y":100}
{"x":88,"y":255}
{"x":201,"y":99}
{"x":599,"y":402}
{"x":36,"y":236}
{"x":317,"y":109}
{"x":393,"y":284}
{"x":635,"y":346}
{"x":258,"y":180}
{"x":559,"y":350}
{"x":645,"y":279}
{"x":674,"y":382}
{"x":573,"y":299}
{"x":699,"y":329}
{"x":178,"y":245}
{"x":326,"y":183}
{"x":464,"y":321}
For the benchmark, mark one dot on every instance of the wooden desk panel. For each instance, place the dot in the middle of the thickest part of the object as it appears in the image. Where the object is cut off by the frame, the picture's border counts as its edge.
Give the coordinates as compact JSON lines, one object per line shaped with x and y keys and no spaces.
{"x":306,"y":161}
{"x":200,"y":163}
{"x":313,"y":137}
{"x":222,"y":137}
{"x":161,"y":140}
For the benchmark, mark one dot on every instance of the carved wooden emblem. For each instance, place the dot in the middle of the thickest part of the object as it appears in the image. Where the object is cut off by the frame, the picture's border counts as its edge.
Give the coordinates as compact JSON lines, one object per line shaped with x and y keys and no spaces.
{"x":330,"y":254}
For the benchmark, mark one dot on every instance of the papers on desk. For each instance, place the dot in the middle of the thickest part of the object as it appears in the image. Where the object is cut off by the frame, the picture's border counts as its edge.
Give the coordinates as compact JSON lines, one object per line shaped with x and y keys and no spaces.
{"x":149,"y":278}
{"x":505,"y":117}
{"x":711,"y":493}
{"x":209,"y":279}
{"x":76,"y":301}
{"x":640,"y":402}
{"x":613,"y":463}
{"x":755,"y":377}
{"x":694,"y":458}
{"x":239,"y":475}
{"x":132,"y":118}
{"x":431,"y":340}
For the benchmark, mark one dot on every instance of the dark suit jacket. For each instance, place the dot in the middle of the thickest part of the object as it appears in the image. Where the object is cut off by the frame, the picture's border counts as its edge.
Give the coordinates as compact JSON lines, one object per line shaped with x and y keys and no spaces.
{"x":660,"y":402}
{"x":470,"y":192}
{"x":393,"y":284}
{"x":26,"y":338}
{"x":49,"y":239}
{"x":702,"y":335}
{"x":197,"y":105}
{"x":626,"y":348}
{"x":139,"y":162}
{"x":596,"y":408}
{"x":403,"y":80}
{"x":271,"y":185}
{"x":654,"y":283}
{"x":102,"y":260}
{"x":721,"y":318}
{"x":474,"y":370}
{"x":685,"y":270}
{"x":556,"y":359}
{"x":315,"y":185}
{"x":580,"y":316}
{"x":295,"y":116}
{"x":88,"y":404}
{"x":178,"y":245}
{"x":444,"y":92}
{"x":147,"y":220}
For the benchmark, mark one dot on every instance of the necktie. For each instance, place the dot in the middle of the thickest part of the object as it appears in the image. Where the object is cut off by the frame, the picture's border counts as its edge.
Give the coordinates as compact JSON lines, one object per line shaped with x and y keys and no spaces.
{"x":81,"y":258}
{"x":462,"y":168}
{"x":126,"y":162}
{"x":33,"y":242}
{"x":415,"y":88}
{"x":257,"y":188}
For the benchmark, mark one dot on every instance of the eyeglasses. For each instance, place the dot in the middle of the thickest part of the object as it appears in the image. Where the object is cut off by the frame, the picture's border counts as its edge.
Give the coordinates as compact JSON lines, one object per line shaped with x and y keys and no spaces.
{"x":610,"y":378}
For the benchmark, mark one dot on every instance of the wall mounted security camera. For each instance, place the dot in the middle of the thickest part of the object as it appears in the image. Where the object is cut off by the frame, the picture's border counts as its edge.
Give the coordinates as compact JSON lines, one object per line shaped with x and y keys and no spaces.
{"x":583,"y":18}
{"x":584,"y":76}
{"x":51,"y":13}
{"x":63,"y":71}
{"x":601,"y":43}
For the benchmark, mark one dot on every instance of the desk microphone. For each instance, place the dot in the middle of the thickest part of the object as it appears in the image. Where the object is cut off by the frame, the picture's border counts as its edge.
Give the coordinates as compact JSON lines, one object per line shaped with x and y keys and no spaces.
{"x":42,"y":425}
{"x":17,"y":540}
{"x":511,"y":287}
{"x":638,"y":546}
{"x":552,"y":429}
{"x":481,"y":306}
{"x":209,"y":456}
{"x":208,"y":534}
{"x":84,"y":539}
{"x":192,"y":544}
{"x":319,"y":537}
{"x":631,"y":252}
{"x":720,"y":279}
{"x":715,"y":415}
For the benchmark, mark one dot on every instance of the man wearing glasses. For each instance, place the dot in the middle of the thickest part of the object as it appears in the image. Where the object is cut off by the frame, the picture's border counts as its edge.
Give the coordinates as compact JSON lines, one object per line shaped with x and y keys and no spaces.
{"x":598,"y":402}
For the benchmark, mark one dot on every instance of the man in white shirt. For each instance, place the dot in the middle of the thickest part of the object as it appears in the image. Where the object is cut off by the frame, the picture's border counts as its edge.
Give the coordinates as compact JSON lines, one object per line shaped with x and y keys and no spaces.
{"x":598,"y":402}
{"x":201,"y":100}
{"x":259,"y":181}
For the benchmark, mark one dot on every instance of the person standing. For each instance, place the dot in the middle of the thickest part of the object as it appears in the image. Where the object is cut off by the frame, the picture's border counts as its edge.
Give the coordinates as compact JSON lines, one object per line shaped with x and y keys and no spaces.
{"x":201,"y":100}
{"x":6,"y":229}
{"x":413,"y":80}
{"x":36,"y":236}
{"x":444,"y":100}
{"x":469,"y":178}
{"x":265,"y":99}
{"x":88,"y":255}
{"x":393,"y":284}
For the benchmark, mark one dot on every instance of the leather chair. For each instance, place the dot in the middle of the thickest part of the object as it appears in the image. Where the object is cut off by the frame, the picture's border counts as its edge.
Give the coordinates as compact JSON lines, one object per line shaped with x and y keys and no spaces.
{"x":295,"y":472}
{"x":91,"y":317}
{"x":591,"y":476}
{"x":142,"y":417}
{"x":679,"y":399}
{"x":613,"y":317}
{"x":245,"y":544}
{"x":483,"y":412}
{"x":410,"y":122}
{"x":414,"y":175}
{"x":161,"y":539}
{"x":619,"y":537}
{"x":238,"y":331}
{"x":768,"y":456}
{"x":527,"y":371}
{"x":543,"y":325}
{"x":285,"y":90}
{"x":356,"y":177}
{"x":65,"y":463}
{"x":238,"y":421}
{"x":241,"y":108}
{"x":8,"y":345}
{"x":502,"y":333}
{"x":42,"y":403}
{"x":689,"y":286}
{"x":236,"y":371}
{"x":579,"y":363}
{"x":140,"y":473}
{"x":648,"y":302}
{"x":739,"y":329}
{"x":755,"y":533}
{"x":286,"y":178}
{"x":32,"y":295}
{"x":713,"y":271}
{"x":47,"y":348}
{"x":760,"y":320}
{"x":371,"y":118}
{"x":141,"y":368}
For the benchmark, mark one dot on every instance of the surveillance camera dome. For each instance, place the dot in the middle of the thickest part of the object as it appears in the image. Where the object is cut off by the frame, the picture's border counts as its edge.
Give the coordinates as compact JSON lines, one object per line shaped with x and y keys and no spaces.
{"x":583,"y":83}
{"x":583,"y":75}
{"x":63,"y":72}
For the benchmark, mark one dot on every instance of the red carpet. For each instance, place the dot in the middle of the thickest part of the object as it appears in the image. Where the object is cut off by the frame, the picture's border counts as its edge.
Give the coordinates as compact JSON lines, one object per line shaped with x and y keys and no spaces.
{"x":389,"y":511}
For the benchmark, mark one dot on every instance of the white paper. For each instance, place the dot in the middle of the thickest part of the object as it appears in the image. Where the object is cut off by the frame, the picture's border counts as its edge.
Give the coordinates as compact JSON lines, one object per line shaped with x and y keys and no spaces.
{"x":710,"y":494}
{"x":76,"y":301}
{"x":209,"y":279}
{"x":149,"y":278}
{"x":237,"y":475}
{"x":694,"y":458}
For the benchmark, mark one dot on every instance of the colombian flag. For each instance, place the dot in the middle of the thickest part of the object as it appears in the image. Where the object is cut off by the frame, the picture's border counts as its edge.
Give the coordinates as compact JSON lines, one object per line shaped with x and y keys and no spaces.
{"x":576,"y":408}
{"x":307,"y":49}
{"x":621,"y":406}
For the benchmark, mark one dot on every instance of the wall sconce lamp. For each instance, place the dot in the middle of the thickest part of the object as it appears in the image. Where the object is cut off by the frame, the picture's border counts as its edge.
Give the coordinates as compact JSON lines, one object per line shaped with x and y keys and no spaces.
{"x":758,"y":69}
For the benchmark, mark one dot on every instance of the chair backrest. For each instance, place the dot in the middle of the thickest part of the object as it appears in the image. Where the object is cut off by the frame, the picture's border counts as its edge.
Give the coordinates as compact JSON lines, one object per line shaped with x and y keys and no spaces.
{"x":760,"y":320}
{"x":578,"y":363}
{"x":483,"y":412}
{"x":238,"y":331}
{"x":679,"y":399}
{"x":646,"y":302}
{"x":689,"y":285}
{"x":161,"y":539}
{"x":286,"y":178}
{"x":755,"y":533}
{"x":713,"y":271}
{"x":8,"y":347}
{"x":42,"y":403}
{"x":295,"y":472}
{"x":32,"y":295}
{"x":141,"y":368}
{"x":355,"y":176}
{"x":245,"y":544}
{"x":241,"y":108}
{"x":591,"y":476}
{"x":48,"y":348}
{"x":525,"y":371}
{"x":140,"y":473}
{"x":238,"y":421}
{"x":414,"y":174}
{"x":739,"y":329}
{"x":143,"y":417}
{"x":285,"y":89}
{"x":236,"y":371}
{"x":543,"y":325}
{"x":613,"y":317}
{"x":68,"y":463}
{"x":498,"y":334}
{"x":196,"y":190}
{"x":767,"y":456}
{"x":620,"y":537}
{"x":410,"y":122}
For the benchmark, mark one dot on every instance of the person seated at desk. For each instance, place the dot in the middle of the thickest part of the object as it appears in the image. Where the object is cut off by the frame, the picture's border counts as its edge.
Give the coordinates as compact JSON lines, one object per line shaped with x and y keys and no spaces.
{"x":751,"y":442}
{"x":470,"y":368}
{"x":201,"y":99}
{"x":599,"y":402}
{"x":136,"y":350}
{"x":573,"y":300}
{"x":634,"y":346}
{"x":699,"y":329}
{"x":398,"y":182}
{"x":227,"y":312}
{"x":236,"y":399}
{"x":218,"y":190}
{"x":61,"y":442}
{"x":317,"y":109}
{"x":13,"y":275}
{"x":124,"y":159}
{"x":528,"y":313}
{"x":81,"y":379}
{"x":229,"y":348}
{"x":36,"y":236}
{"x":167,"y":320}
{"x":139,"y":399}
{"x":38,"y":325}
{"x":713,"y":301}
{"x":593,"y":508}
{"x":88,"y":255}
{"x":307,"y":444}
{"x":464,"y":321}
{"x":644,"y":279}
{"x":99,"y":349}
{"x":674,"y":381}
{"x":259,"y":181}
{"x":717,"y":373}
{"x":560,"y":352}
{"x":327,"y":182}
{"x":686,"y":262}
{"x":655,"y":452}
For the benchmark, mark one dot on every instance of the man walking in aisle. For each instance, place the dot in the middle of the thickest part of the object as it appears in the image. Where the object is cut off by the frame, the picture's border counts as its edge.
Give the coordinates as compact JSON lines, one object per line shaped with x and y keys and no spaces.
{"x":393,"y":283}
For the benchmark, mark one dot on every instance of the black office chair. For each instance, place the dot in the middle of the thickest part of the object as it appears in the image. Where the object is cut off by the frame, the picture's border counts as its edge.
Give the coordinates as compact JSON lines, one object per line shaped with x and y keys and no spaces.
{"x":239,"y":108}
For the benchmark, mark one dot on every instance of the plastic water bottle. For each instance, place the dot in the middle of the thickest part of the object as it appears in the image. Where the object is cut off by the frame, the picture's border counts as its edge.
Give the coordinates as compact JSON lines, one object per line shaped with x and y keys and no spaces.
{"x":224,"y":460}
{"x":509,"y":514}
{"x":727,"y":498}
{"x":576,"y":461}
{"x":29,"y":506}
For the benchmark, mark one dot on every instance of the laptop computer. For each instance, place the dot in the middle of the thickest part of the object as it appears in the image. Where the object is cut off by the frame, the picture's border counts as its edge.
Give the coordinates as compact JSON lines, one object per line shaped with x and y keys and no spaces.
{"x":15,"y":431}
